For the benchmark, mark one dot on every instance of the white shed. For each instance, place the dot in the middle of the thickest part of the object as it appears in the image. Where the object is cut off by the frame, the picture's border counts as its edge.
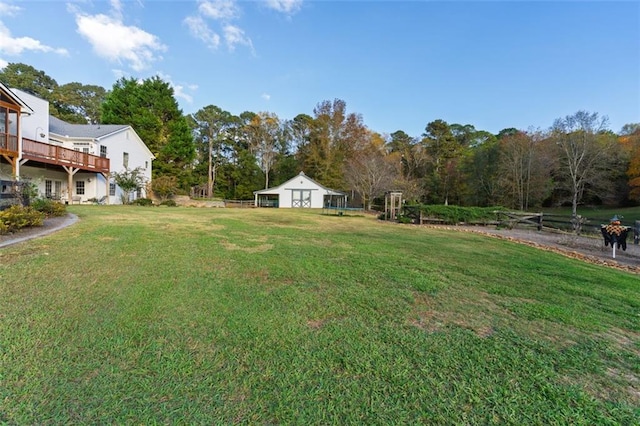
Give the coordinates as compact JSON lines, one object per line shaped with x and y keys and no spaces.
{"x":300,"y":192}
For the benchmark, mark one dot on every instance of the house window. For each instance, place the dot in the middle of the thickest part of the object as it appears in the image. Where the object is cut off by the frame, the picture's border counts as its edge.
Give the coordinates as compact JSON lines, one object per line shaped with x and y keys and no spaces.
{"x":52,"y":189}
{"x":146,"y":164}
{"x":79,"y":187}
{"x":125,"y":160}
{"x":81,"y":146}
{"x":3,"y":120}
{"x":112,"y":189}
{"x":103,"y":151}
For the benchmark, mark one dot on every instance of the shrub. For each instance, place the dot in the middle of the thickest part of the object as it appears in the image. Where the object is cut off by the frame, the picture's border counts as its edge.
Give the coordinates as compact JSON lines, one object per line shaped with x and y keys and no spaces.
{"x":143,"y":202}
{"x":405,"y":219}
{"x":169,"y":203}
{"x":48,"y":207}
{"x":164,"y":187}
{"x":17,"y":217}
{"x":129,"y":181}
{"x":452,"y":214}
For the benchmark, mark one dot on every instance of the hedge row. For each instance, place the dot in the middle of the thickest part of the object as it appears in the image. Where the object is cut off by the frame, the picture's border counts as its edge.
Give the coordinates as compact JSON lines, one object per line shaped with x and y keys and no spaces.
{"x":452,"y":214}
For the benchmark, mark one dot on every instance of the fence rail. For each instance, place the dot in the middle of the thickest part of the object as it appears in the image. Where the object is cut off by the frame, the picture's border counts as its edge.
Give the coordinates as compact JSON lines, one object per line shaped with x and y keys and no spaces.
{"x":242,"y":204}
{"x":540,"y":221}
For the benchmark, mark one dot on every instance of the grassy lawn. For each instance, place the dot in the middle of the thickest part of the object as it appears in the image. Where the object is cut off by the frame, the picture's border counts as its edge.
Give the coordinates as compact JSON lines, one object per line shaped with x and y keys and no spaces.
{"x":208,"y":316}
{"x":600,"y":214}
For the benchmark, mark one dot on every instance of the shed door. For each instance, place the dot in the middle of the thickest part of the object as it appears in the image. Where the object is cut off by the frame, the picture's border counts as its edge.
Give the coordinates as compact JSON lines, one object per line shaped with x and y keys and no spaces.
{"x":301,"y":198}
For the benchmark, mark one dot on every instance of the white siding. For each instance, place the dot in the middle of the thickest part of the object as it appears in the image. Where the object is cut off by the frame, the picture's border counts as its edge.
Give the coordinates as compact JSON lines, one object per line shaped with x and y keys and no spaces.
{"x":299,"y":189}
{"x":37,"y":124}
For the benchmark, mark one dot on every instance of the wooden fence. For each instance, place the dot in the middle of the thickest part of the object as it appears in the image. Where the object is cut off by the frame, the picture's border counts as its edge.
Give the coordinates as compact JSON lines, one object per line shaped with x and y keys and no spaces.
{"x":241,"y":204}
{"x":539,"y":221}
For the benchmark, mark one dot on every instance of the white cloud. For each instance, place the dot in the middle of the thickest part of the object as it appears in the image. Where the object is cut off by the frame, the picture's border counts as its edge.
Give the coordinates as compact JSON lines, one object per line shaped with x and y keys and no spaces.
{"x":178,"y":89}
{"x":118,"y":73}
{"x":117,"y":42}
{"x":16,"y":45}
{"x":8,"y":9}
{"x":179,"y":92}
{"x":223,"y":11}
{"x":116,"y":9}
{"x":3,"y":63}
{"x":266,"y":96}
{"x":285,"y":6}
{"x":200,"y":30}
{"x":219,"y":9}
{"x":234,"y":36}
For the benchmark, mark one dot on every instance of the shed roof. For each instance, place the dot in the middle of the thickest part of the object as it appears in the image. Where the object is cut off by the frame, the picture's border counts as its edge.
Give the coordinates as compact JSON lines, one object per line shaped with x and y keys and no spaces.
{"x":275,"y":189}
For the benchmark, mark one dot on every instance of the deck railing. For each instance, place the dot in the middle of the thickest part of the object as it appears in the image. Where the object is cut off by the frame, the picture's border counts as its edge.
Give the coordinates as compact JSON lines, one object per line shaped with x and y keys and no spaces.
{"x":54,"y":154}
{"x":8,"y":144}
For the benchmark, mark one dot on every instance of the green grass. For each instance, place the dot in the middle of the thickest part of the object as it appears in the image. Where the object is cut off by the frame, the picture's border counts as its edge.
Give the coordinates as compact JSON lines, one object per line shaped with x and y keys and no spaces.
{"x":603,"y":214}
{"x":208,"y":316}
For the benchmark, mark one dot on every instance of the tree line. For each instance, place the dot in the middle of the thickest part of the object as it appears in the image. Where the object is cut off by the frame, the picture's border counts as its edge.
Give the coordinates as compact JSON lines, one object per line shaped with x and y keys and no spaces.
{"x":578,"y":159}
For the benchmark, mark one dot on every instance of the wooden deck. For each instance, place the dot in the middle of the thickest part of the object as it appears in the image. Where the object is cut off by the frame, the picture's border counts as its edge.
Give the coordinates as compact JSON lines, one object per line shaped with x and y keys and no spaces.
{"x":53,"y":154}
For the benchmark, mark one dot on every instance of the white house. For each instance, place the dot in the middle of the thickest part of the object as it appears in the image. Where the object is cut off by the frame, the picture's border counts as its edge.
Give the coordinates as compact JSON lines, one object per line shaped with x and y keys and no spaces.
{"x":70,"y":162}
{"x":300,"y":192}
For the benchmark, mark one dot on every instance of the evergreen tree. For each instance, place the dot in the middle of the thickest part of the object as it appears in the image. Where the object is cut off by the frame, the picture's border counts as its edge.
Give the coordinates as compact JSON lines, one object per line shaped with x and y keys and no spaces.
{"x":152,"y":110}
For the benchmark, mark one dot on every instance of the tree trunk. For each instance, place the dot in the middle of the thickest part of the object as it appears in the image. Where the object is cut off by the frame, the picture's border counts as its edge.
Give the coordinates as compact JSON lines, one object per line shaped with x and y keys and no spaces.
{"x":210,"y":176}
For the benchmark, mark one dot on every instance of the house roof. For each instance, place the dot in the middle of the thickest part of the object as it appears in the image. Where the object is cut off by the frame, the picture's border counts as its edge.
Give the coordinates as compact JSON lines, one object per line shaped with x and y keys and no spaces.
{"x":274,"y":190}
{"x":93,"y":131}
{"x":10,"y":93}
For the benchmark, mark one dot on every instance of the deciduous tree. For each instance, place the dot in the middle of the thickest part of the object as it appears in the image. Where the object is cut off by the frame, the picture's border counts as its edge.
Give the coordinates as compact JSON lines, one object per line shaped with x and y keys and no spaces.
{"x":129,"y":181}
{"x":584,"y":149}
{"x":79,"y":103}
{"x":334,"y":135}
{"x":369,"y":170}
{"x":213,"y":129}
{"x":630,"y":141}
{"x":28,"y":79}
{"x":523,"y":175}
{"x":265,"y":134}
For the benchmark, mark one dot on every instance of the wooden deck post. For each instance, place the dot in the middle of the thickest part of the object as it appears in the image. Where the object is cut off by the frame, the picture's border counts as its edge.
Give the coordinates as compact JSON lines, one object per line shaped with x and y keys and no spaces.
{"x":70,"y":172}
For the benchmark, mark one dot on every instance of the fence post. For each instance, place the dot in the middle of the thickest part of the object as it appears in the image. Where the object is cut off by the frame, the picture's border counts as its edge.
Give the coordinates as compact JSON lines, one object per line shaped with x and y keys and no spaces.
{"x":540,"y":221}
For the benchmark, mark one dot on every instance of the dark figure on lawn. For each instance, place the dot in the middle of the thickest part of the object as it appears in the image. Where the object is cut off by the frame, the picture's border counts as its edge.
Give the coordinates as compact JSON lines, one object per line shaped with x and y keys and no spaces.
{"x":615,"y":233}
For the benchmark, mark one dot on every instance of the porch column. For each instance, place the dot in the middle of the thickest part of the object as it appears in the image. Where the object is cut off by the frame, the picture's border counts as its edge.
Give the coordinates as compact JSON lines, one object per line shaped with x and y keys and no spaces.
{"x":70,"y":172}
{"x":106,"y":177}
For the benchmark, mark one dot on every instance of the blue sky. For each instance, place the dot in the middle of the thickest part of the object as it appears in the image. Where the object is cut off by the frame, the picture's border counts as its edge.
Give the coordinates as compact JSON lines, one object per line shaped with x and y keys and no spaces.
{"x":400,"y":64}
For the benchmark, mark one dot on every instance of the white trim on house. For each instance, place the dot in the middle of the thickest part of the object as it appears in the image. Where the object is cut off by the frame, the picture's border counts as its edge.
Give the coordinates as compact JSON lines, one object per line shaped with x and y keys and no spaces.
{"x":62,"y":179}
